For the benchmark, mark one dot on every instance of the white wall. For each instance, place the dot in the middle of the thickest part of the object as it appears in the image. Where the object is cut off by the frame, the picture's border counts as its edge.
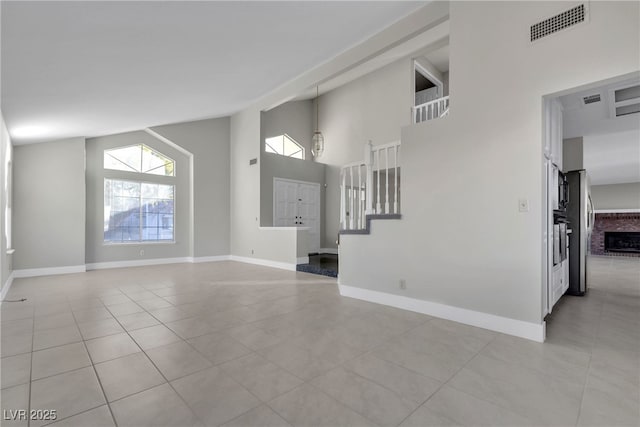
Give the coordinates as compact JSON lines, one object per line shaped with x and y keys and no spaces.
{"x":616,"y":196}
{"x":374,"y":107}
{"x":462,"y":241}
{"x":6,"y":157}
{"x":248,"y":239}
{"x":49,"y":204}
{"x":208,"y":141}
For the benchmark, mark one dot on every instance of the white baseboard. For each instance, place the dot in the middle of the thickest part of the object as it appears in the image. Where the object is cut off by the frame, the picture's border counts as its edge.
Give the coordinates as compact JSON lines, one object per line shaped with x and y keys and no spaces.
{"x":505,"y":325}
{"x":6,"y":287}
{"x":264,"y":262}
{"x":333,"y":251}
{"x":48,"y":271}
{"x":302,"y":260}
{"x":137,"y":263}
{"x":216,"y":258}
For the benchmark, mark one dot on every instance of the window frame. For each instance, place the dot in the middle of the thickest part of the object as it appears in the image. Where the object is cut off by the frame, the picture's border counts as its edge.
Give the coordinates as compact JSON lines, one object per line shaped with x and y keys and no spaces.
{"x":106,"y":150}
{"x":135,"y":181}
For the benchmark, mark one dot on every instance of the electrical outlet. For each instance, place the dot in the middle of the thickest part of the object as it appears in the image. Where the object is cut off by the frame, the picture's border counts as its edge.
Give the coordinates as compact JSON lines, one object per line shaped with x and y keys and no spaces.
{"x":141,"y":252}
{"x":251,"y":251}
{"x":403,"y":284}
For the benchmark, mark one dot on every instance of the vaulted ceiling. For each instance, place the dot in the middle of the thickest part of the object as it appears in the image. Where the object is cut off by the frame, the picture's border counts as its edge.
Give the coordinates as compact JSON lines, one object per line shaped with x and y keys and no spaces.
{"x":93,"y":68}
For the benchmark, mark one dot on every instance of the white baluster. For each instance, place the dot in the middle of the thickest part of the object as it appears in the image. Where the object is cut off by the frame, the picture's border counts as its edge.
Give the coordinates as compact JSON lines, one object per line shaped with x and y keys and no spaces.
{"x":386,"y":172}
{"x":378,"y":206}
{"x":359,"y":196}
{"x":395,"y":180}
{"x":343,"y":201}
{"x":351,"y":220}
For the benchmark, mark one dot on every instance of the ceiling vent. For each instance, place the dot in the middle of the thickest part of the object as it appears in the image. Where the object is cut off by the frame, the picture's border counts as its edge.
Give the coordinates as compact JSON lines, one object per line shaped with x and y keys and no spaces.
{"x":559,"y":22}
{"x":591,"y":99}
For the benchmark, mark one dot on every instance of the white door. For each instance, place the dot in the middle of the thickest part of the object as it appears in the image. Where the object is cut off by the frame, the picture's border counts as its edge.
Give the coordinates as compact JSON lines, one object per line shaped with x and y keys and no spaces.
{"x":297,"y":204}
{"x":309,"y":213}
{"x":285,"y":195}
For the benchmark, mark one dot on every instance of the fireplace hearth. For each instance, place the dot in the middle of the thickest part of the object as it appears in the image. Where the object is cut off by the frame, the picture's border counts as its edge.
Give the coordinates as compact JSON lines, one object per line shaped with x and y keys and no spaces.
{"x":622,"y":241}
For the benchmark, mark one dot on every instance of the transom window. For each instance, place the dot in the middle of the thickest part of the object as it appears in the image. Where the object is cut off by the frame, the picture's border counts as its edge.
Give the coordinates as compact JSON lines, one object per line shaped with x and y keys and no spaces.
{"x":138,"y":211}
{"x":284,"y":145}
{"x":139,"y":158}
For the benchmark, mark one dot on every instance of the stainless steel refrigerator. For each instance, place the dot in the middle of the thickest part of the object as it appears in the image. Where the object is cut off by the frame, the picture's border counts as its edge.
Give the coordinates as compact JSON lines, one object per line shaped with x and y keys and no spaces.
{"x":580,"y":215}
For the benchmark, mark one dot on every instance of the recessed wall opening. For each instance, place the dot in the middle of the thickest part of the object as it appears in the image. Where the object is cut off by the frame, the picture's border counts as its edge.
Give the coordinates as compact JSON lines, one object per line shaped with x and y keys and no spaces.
{"x":426,"y":88}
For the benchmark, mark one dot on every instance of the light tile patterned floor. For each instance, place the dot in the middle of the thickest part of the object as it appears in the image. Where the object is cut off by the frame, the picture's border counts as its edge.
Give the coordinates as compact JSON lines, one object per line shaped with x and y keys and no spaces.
{"x":239,"y":345}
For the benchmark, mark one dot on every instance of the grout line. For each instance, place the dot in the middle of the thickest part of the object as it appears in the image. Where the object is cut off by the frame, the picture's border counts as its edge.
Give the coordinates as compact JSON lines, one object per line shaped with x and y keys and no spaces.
{"x":95,"y":372}
{"x":586,"y":378}
{"x":33,"y":334}
{"x":451,"y":377}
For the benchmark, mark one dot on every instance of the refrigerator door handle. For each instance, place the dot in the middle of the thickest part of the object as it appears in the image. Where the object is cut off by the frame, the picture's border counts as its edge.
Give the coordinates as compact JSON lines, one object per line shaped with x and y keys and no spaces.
{"x":591,"y":215}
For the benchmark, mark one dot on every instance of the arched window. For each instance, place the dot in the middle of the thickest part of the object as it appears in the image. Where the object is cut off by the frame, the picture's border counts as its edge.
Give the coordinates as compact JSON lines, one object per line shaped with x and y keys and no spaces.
{"x":138,"y":211}
{"x":284,"y":145}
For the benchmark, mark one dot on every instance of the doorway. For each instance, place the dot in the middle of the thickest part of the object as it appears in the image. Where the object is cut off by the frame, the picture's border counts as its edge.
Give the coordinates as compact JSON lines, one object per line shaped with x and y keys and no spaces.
{"x":591,"y":159}
{"x":297,"y":204}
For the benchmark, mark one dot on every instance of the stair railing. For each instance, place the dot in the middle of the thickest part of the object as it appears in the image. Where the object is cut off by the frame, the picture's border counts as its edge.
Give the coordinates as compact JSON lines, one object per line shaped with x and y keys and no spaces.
{"x":371,"y":186}
{"x":431,"y":110}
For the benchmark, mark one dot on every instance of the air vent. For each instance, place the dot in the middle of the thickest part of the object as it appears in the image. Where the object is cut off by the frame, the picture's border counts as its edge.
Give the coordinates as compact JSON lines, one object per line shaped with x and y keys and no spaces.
{"x":559,"y":22}
{"x":591,"y":99}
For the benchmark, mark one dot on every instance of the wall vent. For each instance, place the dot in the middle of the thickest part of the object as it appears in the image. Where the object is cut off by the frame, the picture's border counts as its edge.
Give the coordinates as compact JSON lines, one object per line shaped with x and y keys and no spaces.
{"x":559,"y":22}
{"x":591,"y":99}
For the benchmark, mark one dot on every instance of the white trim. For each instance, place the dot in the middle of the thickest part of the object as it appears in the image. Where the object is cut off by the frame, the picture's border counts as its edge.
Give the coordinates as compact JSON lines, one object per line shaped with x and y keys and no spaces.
{"x":599,"y":211}
{"x":302,"y":260}
{"x":215,"y":258}
{"x":264,"y":262}
{"x":6,"y":287}
{"x":48,"y":271}
{"x":332,"y":251}
{"x":518,"y":328}
{"x":137,"y":263}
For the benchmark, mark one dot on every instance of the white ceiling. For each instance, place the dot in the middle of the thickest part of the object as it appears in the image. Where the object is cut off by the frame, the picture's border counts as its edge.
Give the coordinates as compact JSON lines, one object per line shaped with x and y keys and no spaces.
{"x":95,"y":68}
{"x":611,"y":145}
{"x":612,"y":158}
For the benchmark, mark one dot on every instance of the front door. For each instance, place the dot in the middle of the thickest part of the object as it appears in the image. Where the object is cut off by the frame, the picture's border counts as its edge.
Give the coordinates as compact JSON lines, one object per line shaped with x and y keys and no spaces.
{"x":297,"y":204}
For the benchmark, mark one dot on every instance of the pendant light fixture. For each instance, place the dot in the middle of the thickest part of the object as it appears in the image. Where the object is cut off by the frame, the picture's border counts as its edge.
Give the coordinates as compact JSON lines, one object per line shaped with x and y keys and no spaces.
{"x":317,"y":141}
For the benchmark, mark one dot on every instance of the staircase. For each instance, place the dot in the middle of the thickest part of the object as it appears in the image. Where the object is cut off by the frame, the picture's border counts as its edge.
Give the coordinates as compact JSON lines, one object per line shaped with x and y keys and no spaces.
{"x":370,"y":189}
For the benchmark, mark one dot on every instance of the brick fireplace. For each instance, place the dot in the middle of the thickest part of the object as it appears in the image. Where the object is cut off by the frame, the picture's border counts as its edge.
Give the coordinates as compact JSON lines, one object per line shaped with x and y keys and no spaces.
{"x":613,"y":222}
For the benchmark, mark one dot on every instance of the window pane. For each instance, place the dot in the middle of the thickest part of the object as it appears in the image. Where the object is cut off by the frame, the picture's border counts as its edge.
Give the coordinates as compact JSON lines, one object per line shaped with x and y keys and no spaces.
{"x":125,"y":158}
{"x":139,"y":158}
{"x":135,"y":211}
{"x":285,"y":146}
{"x":156,"y":163}
{"x":121,"y":211}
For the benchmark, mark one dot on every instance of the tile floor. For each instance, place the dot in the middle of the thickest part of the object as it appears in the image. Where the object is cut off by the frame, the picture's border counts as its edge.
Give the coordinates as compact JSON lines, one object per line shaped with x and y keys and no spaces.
{"x":239,"y":345}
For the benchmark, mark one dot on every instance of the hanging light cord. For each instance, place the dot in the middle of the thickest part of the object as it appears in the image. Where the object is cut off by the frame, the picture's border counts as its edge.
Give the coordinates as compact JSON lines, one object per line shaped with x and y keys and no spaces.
{"x":317,"y":110}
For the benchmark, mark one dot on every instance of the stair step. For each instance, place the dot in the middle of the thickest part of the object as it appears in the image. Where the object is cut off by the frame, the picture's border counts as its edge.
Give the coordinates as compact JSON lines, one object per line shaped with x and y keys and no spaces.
{"x":367,"y":229}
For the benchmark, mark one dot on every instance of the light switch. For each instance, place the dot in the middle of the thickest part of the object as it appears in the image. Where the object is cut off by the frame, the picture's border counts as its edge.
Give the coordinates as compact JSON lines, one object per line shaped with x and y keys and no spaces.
{"x":523,"y":205}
